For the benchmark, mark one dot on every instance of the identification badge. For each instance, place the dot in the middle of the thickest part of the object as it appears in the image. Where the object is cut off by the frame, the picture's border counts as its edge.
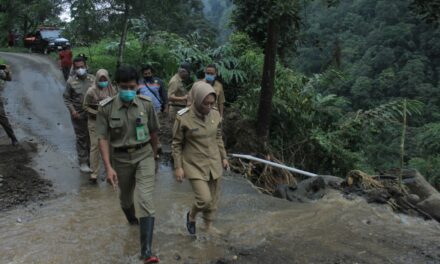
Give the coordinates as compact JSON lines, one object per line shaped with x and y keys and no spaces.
{"x":140,"y":133}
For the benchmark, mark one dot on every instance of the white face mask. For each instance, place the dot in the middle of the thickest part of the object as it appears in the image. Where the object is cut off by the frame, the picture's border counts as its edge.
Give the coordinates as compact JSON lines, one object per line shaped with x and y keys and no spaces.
{"x":81,"y":72}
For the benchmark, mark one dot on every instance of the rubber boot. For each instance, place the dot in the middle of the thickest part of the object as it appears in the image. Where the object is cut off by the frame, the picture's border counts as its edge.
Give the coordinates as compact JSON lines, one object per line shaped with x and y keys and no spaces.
{"x":131,"y":216}
{"x":146,"y":230}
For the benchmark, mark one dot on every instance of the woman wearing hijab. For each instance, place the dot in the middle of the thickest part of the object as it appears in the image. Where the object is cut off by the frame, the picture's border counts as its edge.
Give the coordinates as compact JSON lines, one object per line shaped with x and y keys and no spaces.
{"x":101,"y":90}
{"x":199,"y":153}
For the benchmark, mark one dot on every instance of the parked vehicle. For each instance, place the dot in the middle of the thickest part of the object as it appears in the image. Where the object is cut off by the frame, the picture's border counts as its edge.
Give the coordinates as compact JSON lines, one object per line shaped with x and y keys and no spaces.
{"x":45,"y":40}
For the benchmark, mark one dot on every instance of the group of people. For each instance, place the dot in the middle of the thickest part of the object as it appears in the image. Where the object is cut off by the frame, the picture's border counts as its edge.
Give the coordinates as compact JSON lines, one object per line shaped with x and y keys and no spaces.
{"x":119,"y":122}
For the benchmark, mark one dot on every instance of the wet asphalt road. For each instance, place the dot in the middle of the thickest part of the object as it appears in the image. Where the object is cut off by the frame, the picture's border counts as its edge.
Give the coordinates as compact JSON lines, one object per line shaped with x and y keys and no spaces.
{"x":86,"y":225}
{"x":36,"y":109}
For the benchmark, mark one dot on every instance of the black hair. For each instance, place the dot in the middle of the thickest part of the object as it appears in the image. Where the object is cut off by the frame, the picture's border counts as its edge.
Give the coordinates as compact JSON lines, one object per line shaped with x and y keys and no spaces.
{"x":186,"y":66}
{"x":211,"y":66}
{"x":79,"y":59}
{"x":147,"y":67}
{"x":126,"y":73}
{"x":200,"y":74}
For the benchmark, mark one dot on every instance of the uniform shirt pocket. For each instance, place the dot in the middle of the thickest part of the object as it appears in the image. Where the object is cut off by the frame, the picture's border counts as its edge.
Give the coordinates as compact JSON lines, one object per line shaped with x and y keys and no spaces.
{"x":116,"y":127}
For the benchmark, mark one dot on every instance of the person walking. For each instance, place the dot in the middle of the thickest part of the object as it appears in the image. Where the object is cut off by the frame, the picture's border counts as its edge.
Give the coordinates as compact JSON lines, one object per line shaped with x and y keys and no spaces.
{"x":127,"y":126}
{"x":154,"y":88}
{"x":199,"y":154}
{"x":211,"y":78}
{"x":177,"y":92}
{"x":5,"y":75}
{"x":101,"y":90}
{"x":76,"y":89}
{"x":65,"y":59}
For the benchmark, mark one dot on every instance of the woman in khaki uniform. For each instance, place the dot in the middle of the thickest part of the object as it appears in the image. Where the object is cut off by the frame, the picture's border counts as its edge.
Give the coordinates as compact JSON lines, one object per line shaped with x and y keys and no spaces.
{"x":199,"y":153}
{"x":102,"y":89}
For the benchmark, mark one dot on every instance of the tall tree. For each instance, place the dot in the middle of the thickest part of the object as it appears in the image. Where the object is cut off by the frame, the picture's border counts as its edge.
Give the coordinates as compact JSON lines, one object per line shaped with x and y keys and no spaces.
{"x":27,"y":15}
{"x":264,"y":21}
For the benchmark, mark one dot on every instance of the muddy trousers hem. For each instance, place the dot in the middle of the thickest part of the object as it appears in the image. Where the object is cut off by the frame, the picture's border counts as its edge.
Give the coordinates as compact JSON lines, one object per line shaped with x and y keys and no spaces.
{"x":206,"y":198}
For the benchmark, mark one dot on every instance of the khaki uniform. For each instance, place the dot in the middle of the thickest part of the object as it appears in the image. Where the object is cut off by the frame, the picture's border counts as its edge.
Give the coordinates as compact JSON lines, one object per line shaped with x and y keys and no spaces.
{"x":132,"y":159}
{"x":76,"y":89}
{"x":93,"y":96}
{"x":176,"y":87}
{"x":198,"y":148}
{"x":218,"y":87}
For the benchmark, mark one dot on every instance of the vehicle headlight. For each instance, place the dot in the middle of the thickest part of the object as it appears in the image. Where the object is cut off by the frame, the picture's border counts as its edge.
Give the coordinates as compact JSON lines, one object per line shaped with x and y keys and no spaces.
{"x":51,"y":43}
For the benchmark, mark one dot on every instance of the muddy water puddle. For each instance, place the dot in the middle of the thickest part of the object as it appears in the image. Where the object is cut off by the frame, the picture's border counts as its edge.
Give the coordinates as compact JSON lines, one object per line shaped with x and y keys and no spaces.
{"x":89,"y":227}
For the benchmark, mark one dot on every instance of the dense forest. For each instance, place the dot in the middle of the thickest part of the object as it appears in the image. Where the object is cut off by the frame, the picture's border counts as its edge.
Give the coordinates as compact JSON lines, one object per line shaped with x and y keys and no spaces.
{"x":375,"y":52}
{"x":346,"y":73}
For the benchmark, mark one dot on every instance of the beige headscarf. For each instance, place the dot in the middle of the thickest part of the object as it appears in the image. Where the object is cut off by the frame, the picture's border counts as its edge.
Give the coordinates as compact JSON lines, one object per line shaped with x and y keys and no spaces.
{"x":199,"y":91}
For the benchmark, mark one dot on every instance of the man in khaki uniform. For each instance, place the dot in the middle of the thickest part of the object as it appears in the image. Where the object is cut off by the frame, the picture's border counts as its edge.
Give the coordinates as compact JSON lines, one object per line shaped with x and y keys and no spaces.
{"x":199,"y":153}
{"x":210,"y":77}
{"x":5,"y":75}
{"x":177,"y":92}
{"x":127,"y":124}
{"x":76,"y":89}
{"x":102,"y":89}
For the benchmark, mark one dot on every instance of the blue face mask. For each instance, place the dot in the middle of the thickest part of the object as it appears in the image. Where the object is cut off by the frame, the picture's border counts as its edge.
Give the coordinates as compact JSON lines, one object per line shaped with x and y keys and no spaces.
{"x":210,"y":77}
{"x":127,"y":95}
{"x":103,"y":84}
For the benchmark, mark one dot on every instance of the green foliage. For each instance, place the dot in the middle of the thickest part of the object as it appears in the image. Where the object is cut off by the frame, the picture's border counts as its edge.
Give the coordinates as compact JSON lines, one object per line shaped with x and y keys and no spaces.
{"x":429,"y":167}
{"x":252,"y":17}
{"x":429,"y":9}
{"x":386,"y":52}
{"x":24,"y":16}
{"x":429,"y":139}
{"x":94,"y":20}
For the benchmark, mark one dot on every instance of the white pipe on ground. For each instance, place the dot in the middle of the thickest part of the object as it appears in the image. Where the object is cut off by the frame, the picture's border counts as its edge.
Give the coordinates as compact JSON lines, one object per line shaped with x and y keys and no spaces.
{"x":274,"y":164}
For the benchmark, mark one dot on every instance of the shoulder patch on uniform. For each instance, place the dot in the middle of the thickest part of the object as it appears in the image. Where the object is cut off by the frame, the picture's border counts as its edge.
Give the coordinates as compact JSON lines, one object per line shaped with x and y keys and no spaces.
{"x":183,"y":111}
{"x":144,"y":97}
{"x":106,"y":101}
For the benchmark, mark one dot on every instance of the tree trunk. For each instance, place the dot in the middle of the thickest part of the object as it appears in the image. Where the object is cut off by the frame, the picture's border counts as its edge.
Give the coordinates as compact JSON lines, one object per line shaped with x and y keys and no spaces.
{"x":268,"y":80}
{"x":123,"y":36}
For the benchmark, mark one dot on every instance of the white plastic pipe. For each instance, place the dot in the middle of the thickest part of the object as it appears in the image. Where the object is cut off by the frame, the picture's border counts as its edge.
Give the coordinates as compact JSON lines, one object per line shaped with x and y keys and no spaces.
{"x":274,"y":164}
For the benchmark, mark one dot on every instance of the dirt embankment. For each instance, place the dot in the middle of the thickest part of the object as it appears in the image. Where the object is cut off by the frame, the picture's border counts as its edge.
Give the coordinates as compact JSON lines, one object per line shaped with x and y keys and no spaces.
{"x":19,"y":183}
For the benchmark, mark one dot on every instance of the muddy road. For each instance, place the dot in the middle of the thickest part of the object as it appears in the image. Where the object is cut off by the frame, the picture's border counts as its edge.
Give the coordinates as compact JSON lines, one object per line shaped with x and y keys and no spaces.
{"x":85,"y":224}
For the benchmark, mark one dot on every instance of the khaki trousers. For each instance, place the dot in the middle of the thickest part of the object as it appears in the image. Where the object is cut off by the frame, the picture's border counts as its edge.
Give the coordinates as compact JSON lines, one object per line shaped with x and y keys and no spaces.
{"x":136,"y":179}
{"x":206,"y":197}
{"x":95,"y":156}
{"x":173,"y":113}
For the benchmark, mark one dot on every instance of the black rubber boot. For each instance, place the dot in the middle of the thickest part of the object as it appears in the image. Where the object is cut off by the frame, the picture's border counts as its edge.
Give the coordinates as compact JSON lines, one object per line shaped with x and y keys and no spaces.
{"x":131,"y":216}
{"x":146,"y":230}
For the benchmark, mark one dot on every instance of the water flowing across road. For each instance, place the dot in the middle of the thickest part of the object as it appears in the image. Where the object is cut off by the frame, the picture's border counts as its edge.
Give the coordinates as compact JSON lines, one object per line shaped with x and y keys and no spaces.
{"x":84,"y":224}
